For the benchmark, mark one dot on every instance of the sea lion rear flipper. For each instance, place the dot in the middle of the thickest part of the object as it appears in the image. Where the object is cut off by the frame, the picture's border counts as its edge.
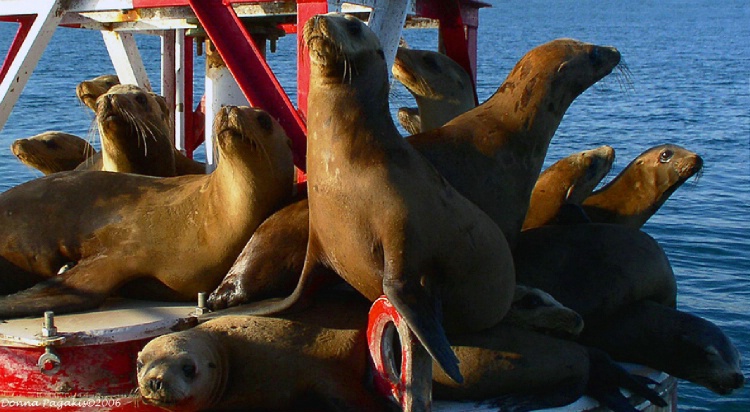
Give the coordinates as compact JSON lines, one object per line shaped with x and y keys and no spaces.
{"x":605,"y":379}
{"x":419,"y":311}
{"x":51,"y":295}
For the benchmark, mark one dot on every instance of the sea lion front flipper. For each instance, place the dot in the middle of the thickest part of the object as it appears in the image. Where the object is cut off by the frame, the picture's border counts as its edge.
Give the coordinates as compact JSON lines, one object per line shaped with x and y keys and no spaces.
{"x":51,"y":295}
{"x":605,"y":379}
{"x":419,"y":311}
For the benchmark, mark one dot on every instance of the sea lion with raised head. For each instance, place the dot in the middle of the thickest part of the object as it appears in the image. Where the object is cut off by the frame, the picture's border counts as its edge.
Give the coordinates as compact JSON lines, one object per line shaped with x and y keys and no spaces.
{"x":52,"y":151}
{"x":638,"y":192}
{"x":493,"y":153}
{"x":380,"y":215}
{"x":183,"y":232}
{"x":569,"y":180}
{"x":678,"y":343}
{"x":441,"y":87}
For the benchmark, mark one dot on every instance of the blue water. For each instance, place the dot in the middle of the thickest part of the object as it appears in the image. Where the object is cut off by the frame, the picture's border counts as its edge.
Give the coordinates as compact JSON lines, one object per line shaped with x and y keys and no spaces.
{"x":690,"y":64}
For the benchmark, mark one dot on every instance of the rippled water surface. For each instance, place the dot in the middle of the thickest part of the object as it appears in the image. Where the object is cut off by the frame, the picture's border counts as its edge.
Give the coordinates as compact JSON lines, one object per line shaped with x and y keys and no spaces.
{"x":690,"y":64}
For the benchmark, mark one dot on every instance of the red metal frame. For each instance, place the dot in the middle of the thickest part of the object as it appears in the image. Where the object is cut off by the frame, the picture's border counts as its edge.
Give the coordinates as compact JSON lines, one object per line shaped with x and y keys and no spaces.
{"x":24,"y":26}
{"x":253,"y":75}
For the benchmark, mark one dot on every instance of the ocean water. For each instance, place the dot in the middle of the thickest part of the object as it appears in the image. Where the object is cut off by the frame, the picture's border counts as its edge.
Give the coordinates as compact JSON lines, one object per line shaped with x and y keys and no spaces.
{"x":690,"y":85}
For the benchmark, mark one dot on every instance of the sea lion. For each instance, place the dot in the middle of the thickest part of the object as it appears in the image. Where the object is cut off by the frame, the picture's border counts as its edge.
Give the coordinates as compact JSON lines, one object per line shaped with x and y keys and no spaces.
{"x":643,"y":186}
{"x":52,"y":151}
{"x":595,"y":269}
{"x":321,"y":353}
{"x":441,"y":87}
{"x":380,"y":215}
{"x":135,"y":135}
{"x":134,"y":127}
{"x":493,"y":153}
{"x":409,"y":119}
{"x":569,"y":180}
{"x":88,"y":91}
{"x":678,"y":343}
{"x":264,"y":362}
{"x":183,"y":232}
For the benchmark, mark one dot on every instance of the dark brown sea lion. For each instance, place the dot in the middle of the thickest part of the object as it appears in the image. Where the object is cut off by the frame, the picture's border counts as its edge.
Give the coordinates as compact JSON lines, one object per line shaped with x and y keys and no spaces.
{"x":134,"y":127}
{"x":683,"y":345}
{"x":441,"y":87}
{"x":52,"y":151}
{"x":595,"y":269}
{"x":183,"y":232}
{"x":493,"y":153}
{"x":90,"y":90}
{"x":380,"y":215}
{"x":569,"y":180}
{"x":643,"y":186}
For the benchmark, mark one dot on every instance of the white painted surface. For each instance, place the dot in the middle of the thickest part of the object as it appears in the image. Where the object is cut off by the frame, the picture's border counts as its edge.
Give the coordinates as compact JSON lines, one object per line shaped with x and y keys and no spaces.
{"x":126,"y":59}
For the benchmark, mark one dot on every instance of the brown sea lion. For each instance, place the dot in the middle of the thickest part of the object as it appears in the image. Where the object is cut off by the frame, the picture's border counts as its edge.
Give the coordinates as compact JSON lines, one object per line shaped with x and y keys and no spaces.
{"x":569,"y":180}
{"x":90,"y":90}
{"x":315,"y":356}
{"x":595,"y":269}
{"x":52,"y":151}
{"x":183,"y":232}
{"x":678,"y":343}
{"x":134,"y":129}
{"x":643,"y":186}
{"x":380,"y":215}
{"x":409,"y":119}
{"x":493,"y":153}
{"x":441,"y":87}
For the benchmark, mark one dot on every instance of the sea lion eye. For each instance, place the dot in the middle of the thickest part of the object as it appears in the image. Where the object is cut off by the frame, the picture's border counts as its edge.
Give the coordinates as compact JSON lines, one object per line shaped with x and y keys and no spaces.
{"x":188,"y":371}
{"x":666,"y":156}
{"x":141,"y":99}
{"x":264,"y":120}
{"x":138,"y":366}
{"x":353,"y":27}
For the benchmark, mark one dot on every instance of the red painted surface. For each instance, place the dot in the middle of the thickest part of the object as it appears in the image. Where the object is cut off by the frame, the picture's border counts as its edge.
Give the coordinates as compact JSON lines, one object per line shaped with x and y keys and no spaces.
{"x":25,"y":23}
{"x":253,"y":75}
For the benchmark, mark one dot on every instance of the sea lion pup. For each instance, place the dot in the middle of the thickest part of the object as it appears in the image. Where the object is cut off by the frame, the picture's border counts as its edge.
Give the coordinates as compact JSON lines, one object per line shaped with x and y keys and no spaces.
{"x":643,"y":186}
{"x":380,"y":215}
{"x":183,"y":232}
{"x":493,"y":153}
{"x":264,"y":362}
{"x":52,"y":151}
{"x":134,"y":129}
{"x":88,"y":91}
{"x":441,"y":87}
{"x":595,"y":269}
{"x":678,"y":343}
{"x":569,"y":180}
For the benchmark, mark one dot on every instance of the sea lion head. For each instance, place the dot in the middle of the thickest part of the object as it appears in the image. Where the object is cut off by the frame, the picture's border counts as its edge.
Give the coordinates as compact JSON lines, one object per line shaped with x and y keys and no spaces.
{"x":708,"y":357}
{"x":341,"y":47}
{"x":134,"y":126}
{"x":551,"y":76}
{"x":432,"y":75}
{"x":666,"y":167}
{"x":592,"y":165}
{"x":251,"y":135}
{"x":409,"y":119}
{"x":537,"y":310}
{"x":184,"y":370}
{"x":52,"y":151}
{"x":90,"y":90}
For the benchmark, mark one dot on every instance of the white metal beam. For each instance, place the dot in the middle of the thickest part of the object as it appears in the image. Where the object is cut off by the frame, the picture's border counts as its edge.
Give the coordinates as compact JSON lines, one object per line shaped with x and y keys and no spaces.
{"x":49,"y":13}
{"x":125,"y":57}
